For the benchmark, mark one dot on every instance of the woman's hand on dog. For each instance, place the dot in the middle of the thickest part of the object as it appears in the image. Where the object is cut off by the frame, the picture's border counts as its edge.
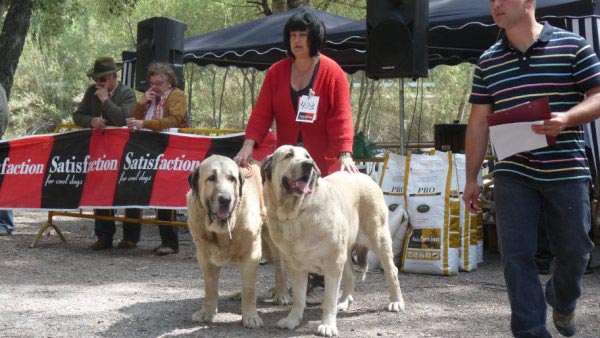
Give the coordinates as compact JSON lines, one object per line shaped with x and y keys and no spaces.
{"x":347,"y":164}
{"x":244,"y":156}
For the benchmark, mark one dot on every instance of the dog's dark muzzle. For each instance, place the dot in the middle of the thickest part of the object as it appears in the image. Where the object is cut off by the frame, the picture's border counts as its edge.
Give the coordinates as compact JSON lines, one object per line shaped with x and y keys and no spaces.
{"x":301,"y":185}
{"x":307,"y":168}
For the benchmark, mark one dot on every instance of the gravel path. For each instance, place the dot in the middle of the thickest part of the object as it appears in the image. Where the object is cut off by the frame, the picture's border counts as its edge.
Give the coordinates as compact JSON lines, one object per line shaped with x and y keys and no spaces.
{"x":58,"y":290}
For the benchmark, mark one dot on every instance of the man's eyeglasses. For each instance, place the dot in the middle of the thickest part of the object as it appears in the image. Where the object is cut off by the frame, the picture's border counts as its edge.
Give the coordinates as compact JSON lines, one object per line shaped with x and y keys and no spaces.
{"x":101,"y":79}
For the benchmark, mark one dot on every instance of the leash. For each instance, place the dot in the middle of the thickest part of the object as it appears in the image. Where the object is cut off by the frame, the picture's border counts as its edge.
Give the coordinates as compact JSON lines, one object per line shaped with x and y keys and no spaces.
{"x":252,"y":171}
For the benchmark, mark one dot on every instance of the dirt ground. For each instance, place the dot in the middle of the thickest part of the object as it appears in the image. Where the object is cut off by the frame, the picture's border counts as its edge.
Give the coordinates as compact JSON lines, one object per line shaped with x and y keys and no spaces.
{"x":69,"y":290}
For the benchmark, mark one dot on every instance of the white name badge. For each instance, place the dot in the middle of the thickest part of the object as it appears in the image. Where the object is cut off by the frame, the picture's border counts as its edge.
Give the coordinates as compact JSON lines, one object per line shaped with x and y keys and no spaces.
{"x":307,"y":108}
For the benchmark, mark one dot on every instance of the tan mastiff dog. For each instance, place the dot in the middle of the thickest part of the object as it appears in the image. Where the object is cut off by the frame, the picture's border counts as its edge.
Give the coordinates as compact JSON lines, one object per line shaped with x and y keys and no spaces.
{"x":315,"y":223}
{"x":224,"y":218}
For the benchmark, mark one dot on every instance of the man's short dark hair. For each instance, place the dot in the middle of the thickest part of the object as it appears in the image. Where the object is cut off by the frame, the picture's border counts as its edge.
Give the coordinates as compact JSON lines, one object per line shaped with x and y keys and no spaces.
{"x":301,"y":22}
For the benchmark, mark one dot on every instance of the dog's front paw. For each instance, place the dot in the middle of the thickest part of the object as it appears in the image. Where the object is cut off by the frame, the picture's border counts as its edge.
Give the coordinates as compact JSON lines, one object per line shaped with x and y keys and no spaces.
{"x":396,"y":306}
{"x":252,"y":322}
{"x":328,"y":330}
{"x":344,"y":305}
{"x":204,"y":315}
{"x":281,"y":299}
{"x":288,"y":323}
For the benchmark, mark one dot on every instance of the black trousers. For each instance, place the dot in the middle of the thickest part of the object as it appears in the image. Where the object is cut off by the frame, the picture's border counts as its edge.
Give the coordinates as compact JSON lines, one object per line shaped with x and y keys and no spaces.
{"x":106,"y":228}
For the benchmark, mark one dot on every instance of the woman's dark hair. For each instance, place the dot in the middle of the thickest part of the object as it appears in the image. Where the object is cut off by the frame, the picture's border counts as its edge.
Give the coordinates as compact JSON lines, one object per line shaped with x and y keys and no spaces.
{"x":301,"y":22}
{"x":164,"y":69}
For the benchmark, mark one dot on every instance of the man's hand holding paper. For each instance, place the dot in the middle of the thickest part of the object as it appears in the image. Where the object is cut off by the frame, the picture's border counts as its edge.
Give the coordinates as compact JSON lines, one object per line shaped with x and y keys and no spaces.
{"x":512,"y":138}
{"x":525,"y":127}
{"x":551,"y":127}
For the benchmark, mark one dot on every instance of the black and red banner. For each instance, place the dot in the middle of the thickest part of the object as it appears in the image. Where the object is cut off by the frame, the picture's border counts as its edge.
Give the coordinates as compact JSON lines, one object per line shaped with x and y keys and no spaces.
{"x":110,"y":168}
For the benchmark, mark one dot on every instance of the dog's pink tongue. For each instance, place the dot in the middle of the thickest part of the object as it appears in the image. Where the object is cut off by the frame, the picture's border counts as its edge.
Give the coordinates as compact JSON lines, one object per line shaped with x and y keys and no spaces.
{"x":222,"y":214}
{"x":302,"y":185}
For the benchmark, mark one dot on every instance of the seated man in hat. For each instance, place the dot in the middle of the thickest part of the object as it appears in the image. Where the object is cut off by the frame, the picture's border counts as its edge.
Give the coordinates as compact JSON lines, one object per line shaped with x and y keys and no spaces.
{"x":107,"y":102}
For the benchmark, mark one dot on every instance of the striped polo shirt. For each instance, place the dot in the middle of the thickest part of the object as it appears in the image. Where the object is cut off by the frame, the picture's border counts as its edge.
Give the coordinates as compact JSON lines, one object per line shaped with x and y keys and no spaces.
{"x":559,"y":65}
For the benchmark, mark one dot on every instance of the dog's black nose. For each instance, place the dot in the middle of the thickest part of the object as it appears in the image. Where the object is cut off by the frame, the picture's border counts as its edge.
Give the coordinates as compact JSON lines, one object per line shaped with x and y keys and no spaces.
{"x":307,"y":166}
{"x":224,"y":201}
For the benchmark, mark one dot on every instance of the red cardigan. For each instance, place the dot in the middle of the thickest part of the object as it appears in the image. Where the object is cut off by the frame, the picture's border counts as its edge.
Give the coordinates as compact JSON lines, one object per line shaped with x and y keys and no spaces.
{"x":332,"y":131}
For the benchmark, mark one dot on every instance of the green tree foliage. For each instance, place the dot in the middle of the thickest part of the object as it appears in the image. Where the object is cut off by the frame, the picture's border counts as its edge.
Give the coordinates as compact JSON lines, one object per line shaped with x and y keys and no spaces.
{"x":67,"y":35}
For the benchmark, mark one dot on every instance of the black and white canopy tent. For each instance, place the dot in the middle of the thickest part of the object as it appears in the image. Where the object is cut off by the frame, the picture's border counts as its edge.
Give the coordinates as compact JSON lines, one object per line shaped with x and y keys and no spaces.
{"x":257,"y":43}
{"x":459,"y":31}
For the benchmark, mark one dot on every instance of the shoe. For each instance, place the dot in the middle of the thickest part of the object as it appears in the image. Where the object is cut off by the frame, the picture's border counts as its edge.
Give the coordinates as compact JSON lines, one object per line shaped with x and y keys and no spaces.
{"x":4,"y":231}
{"x":165,"y":250}
{"x":102,"y":243}
{"x":123,"y":244}
{"x":565,"y":324}
{"x":315,"y":295}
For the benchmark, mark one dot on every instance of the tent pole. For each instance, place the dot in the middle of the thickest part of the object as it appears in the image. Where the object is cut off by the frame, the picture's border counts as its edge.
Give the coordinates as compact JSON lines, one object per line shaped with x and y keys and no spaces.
{"x":401,"y":109}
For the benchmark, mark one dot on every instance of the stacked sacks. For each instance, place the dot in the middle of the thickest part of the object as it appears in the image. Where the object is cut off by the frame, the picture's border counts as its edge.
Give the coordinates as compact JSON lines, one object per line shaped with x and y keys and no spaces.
{"x":431,"y":243}
{"x":453,"y":239}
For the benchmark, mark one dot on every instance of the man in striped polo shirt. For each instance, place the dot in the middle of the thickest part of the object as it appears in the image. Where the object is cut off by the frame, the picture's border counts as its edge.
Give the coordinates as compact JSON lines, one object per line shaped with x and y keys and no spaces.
{"x":534,"y":60}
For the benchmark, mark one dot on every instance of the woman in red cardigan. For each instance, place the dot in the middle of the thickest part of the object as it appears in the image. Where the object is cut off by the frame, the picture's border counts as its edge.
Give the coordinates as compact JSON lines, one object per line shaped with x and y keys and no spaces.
{"x":302,"y":77}
{"x":296,"y":82}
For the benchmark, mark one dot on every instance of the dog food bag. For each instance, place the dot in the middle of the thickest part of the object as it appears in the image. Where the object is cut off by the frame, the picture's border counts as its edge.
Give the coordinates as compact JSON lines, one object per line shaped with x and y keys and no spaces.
{"x":468,"y":231}
{"x":428,"y":247}
{"x":392,"y":180}
{"x":468,"y":252}
{"x":373,"y":169}
{"x":478,"y":220}
{"x":454,"y":223}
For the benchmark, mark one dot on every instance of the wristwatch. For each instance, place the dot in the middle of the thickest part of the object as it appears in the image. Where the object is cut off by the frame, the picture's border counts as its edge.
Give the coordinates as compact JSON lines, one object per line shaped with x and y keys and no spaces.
{"x":345,"y":154}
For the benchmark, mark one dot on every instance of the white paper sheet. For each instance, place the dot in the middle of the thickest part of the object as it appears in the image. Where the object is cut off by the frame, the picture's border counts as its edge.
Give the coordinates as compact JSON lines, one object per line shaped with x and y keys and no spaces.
{"x":511,"y":138}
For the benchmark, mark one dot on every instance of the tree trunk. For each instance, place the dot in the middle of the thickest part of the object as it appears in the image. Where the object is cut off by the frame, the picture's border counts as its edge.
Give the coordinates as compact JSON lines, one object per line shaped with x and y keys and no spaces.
{"x":132,"y":33}
{"x":12,"y":40}
{"x":369,"y":111}
{"x":362,"y":95}
{"x":245,"y":83}
{"x":253,"y":87}
{"x":213,"y":95}
{"x":221,"y":99}
{"x":465,"y":98}
{"x":278,"y":6}
{"x":297,"y":3}
{"x":189,"y":72}
{"x":3,"y":7}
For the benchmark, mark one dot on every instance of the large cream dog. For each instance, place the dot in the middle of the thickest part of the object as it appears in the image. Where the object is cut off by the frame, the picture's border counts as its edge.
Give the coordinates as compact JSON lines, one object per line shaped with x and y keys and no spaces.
{"x":315,"y":222}
{"x":224,"y":218}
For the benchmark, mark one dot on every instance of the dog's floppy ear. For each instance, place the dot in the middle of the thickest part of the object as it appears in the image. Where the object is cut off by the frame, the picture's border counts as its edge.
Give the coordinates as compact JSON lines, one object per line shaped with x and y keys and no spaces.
{"x":266,"y":170}
{"x":193,"y":181}
{"x":316,"y":169}
{"x":315,"y":179}
{"x":241,"y":178}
